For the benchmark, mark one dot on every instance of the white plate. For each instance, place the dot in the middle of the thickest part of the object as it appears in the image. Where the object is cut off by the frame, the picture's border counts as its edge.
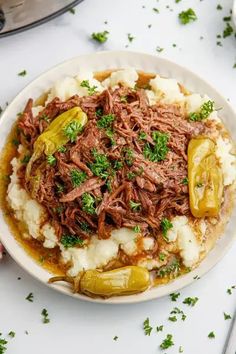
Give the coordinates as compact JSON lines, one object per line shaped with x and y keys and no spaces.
{"x":103,"y":61}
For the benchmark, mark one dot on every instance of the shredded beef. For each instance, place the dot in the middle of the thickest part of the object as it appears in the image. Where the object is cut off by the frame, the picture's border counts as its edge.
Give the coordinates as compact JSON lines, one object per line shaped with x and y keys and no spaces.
{"x":154,"y":188}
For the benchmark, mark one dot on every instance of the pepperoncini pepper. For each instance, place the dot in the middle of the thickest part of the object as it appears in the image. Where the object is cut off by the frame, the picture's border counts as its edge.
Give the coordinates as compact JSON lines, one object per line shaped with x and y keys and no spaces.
{"x":54,"y":136}
{"x":121,"y":281}
{"x":205,"y":178}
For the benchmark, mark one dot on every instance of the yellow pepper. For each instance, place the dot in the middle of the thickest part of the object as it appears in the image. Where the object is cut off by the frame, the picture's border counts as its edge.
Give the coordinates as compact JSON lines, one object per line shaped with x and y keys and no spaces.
{"x":54,"y":136}
{"x":121,"y":281}
{"x":205,"y":178}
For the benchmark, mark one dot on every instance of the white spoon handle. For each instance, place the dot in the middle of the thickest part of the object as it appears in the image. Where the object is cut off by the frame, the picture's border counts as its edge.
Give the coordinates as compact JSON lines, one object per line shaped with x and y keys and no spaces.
{"x":230,"y":346}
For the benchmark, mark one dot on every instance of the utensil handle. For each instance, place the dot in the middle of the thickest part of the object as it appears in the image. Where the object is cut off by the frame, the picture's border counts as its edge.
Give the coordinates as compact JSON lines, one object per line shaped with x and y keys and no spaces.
{"x":230,"y":346}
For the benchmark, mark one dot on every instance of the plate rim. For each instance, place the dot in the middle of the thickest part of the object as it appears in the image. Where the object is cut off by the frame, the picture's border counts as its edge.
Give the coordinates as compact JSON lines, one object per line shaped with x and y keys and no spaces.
{"x":149,"y":294}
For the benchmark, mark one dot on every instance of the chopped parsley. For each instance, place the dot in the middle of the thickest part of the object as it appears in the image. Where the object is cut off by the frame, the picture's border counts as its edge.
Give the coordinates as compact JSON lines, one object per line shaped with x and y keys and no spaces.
{"x":100,"y":37}
{"x":115,"y":338}
{"x":181,"y":350}
{"x":172,"y":318}
{"x":59,"y":209}
{"x":91,"y":89}
{"x":190,"y":301}
{"x":177,"y":311}
{"x":155,"y":9}
{"x":196,"y":277}
{"x":15,"y":142}
{"x":177,"y":1}
{"x":147,"y":328}
{"x":88,"y":203}
{"x":117,"y":165}
{"x":99,"y":112}
{"x":22,"y":73}
{"x":187,"y":16}
{"x":172,"y":268}
{"x":227,"y":317}
{"x":105,"y":121}
{"x":101,"y":166}
{"x":68,"y":240}
{"x":228,"y":30}
{"x":219,"y":7}
{"x":162,"y":256}
{"x":77,"y":177}
{"x":159,"y":151}
{"x":72,"y":130}
{"x":72,"y":11}
{"x":142,"y":135}
{"x":51,"y":160}
{"x":159,"y":328}
{"x":174,"y":296}
{"x":12,"y":334}
{"x":26,"y":159}
{"x":159,"y":49}
{"x":45,"y":319}
{"x":234,"y":66}
{"x":3,"y":344}
{"x":137,"y":229}
{"x":229,"y":290}
{"x":85,"y":227}
{"x":59,"y":187}
{"x":110,"y":134}
{"x":130,"y":37}
{"x":62,"y":149}
{"x":135,"y":206}
{"x":128,"y":156}
{"x":165,"y":226}
{"x":205,"y":110}
{"x":167,"y":342}
{"x":185,"y":181}
{"x":30,"y":297}
{"x":44,"y":117}
{"x":211,"y":335}
{"x":131,"y":175}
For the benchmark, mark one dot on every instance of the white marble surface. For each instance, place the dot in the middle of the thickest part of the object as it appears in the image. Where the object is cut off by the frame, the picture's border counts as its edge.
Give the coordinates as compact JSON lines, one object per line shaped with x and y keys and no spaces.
{"x":83,"y":327}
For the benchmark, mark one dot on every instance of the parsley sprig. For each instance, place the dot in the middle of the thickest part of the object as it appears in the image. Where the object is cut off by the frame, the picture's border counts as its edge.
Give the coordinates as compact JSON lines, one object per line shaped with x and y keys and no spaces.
{"x":205,"y":110}
{"x":146,"y":327}
{"x":187,"y":16}
{"x":174,"y":296}
{"x":101,"y":167}
{"x":22,"y":73}
{"x":30,"y":297}
{"x":167,"y":342}
{"x":88,"y":203}
{"x":165,"y":226}
{"x":3,"y":344}
{"x":169,"y":269}
{"x":51,"y":160}
{"x":190,"y":301}
{"x":91,"y":89}
{"x":135,"y":206}
{"x":72,"y":130}
{"x":77,"y":177}
{"x":160,"y":149}
{"x":105,"y":121}
{"x":100,"y":37}
{"x":68,"y":240}
{"x":45,"y":319}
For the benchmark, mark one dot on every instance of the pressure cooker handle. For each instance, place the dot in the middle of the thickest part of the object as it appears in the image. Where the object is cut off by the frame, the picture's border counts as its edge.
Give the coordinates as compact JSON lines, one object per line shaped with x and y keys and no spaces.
{"x":2,"y":19}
